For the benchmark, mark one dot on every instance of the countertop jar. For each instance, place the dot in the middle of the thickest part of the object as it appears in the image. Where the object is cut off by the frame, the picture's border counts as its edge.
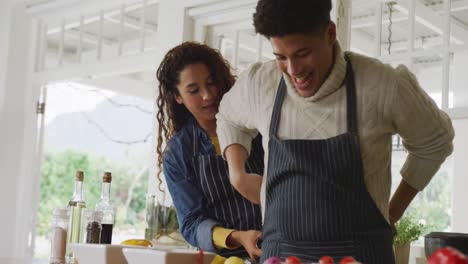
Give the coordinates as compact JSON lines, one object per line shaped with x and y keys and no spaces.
{"x":59,"y":236}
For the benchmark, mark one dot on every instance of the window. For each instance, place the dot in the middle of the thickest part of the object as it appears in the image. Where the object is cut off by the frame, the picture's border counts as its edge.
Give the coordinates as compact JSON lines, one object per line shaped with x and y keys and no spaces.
{"x":433,"y":205}
{"x":87,"y":128}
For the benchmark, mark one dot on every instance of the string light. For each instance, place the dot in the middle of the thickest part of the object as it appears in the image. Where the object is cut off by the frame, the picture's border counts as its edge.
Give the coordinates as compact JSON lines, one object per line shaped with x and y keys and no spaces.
{"x":390,"y":15}
{"x":107,"y":136}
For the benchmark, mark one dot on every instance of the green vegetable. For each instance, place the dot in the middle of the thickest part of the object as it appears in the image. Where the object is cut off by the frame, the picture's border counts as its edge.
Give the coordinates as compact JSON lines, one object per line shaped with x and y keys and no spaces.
{"x":407,"y":231}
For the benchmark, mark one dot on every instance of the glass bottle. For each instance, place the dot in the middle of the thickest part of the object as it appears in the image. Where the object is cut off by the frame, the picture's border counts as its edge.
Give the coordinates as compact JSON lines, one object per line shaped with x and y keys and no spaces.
{"x":152,"y":215}
{"x":75,"y":207}
{"x":59,"y":236}
{"x":108,"y":210}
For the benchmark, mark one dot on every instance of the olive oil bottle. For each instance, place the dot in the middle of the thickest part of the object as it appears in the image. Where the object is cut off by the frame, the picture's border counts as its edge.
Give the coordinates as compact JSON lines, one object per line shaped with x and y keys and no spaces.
{"x":76,"y":208}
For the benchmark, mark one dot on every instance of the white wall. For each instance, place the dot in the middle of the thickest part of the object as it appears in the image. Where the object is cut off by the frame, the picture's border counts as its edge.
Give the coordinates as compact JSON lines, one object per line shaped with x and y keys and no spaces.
{"x":17,"y":135}
{"x":4,"y":39}
{"x":460,"y":179}
{"x":6,"y":190}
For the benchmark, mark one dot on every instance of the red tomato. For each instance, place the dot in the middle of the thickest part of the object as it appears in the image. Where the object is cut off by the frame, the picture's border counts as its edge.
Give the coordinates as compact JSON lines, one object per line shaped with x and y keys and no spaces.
{"x":346,"y":260}
{"x":447,"y":255}
{"x":293,"y":260}
{"x":326,"y":260}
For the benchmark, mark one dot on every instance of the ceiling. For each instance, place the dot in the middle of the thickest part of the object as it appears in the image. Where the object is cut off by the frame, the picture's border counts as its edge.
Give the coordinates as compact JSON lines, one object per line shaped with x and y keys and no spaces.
{"x":223,"y":18}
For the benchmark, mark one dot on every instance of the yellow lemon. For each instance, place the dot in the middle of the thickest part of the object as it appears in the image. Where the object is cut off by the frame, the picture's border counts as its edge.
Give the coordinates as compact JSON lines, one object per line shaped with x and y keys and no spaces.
{"x":218,"y":260}
{"x":234,"y":260}
{"x":137,"y":242}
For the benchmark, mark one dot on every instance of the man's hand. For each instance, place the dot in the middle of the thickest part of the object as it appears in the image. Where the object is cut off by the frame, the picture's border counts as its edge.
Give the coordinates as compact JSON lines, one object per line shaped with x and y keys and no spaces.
{"x":247,"y":239}
{"x":401,"y":199}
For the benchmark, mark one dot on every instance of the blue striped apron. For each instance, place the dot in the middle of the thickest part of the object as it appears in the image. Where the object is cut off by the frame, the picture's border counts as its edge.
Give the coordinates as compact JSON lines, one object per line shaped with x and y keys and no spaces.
{"x":317,"y":202}
{"x":222,"y":202}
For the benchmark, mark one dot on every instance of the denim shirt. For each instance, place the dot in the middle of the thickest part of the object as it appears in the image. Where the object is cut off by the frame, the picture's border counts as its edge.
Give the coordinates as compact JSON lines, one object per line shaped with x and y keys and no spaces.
{"x":194,"y":224}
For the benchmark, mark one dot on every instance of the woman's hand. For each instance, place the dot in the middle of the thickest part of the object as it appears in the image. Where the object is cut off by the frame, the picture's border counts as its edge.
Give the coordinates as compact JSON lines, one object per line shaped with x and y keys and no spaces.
{"x":247,"y":239}
{"x":401,"y":199}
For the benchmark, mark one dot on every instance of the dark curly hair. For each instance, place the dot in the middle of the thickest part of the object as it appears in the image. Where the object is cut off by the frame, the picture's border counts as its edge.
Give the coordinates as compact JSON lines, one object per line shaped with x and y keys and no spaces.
{"x":277,"y":18}
{"x":171,"y":115}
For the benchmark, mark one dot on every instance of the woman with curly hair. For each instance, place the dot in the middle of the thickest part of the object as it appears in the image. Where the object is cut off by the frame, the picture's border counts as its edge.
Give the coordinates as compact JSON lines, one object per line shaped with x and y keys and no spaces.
{"x":212,"y":214}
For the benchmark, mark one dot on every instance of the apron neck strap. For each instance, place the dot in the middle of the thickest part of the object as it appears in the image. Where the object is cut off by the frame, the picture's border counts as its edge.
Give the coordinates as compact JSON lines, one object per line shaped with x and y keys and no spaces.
{"x":351,"y":101}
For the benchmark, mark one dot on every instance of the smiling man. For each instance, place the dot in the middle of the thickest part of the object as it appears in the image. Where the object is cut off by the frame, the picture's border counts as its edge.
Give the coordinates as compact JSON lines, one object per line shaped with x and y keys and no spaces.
{"x":327,"y":118}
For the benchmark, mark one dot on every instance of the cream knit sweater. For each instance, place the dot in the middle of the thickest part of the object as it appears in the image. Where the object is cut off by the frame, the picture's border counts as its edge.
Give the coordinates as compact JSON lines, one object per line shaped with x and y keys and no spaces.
{"x":389,"y":101}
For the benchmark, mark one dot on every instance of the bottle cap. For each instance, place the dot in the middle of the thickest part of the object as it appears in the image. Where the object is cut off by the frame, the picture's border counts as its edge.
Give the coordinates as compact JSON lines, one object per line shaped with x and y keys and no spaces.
{"x":107,"y":177}
{"x":79,"y":176}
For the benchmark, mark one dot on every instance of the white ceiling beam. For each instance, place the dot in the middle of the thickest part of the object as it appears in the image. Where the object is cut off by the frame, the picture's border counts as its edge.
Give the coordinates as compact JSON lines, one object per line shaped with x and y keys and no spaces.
{"x":456,"y":6}
{"x":197,"y":3}
{"x":107,"y":67}
{"x":50,"y":10}
{"x":419,"y":43}
{"x":109,"y":52}
{"x":405,"y":56}
{"x":54,"y":25}
{"x":369,"y":21}
{"x":222,"y":18}
{"x":133,"y":23}
{"x":74,"y":8}
{"x":218,"y":13}
{"x":40,"y":6}
{"x":426,"y":16}
{"x":241,"y":25}
{"x":419,"y":54}
{"x":220,"y":7}
{"x":71,"y":25}
{"x":432,"y":20}
{"x":361,"y":39}
{"x":90,"y":38}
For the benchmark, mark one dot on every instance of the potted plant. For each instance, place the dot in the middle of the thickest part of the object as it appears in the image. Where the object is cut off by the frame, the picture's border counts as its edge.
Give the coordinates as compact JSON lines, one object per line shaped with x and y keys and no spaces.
{"x":408,"y":230}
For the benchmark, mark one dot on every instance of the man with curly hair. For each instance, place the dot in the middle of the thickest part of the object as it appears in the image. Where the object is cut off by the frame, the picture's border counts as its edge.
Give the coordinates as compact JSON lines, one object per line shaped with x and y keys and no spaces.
{"x":327,"y":118}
